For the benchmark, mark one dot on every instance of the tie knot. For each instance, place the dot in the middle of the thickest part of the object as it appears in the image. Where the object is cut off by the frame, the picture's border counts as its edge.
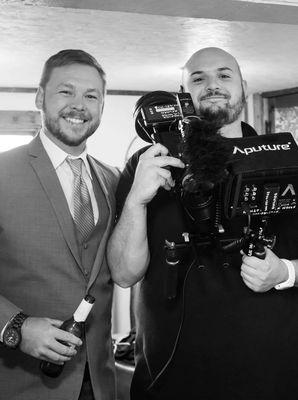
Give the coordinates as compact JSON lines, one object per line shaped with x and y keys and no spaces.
{"x":75,"y":165}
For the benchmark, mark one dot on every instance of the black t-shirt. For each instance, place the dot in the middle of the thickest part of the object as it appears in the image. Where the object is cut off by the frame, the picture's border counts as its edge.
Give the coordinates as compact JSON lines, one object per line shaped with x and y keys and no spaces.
{"x":217,"y":338}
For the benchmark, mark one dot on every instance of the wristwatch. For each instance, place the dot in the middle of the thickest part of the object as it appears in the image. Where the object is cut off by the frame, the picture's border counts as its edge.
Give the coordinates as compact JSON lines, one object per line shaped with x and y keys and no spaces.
{"x":12,"y":334}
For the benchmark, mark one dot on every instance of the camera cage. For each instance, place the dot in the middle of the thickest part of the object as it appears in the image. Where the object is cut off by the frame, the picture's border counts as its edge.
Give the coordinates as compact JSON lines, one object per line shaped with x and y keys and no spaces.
{"x":261,"y":182}
{"x":262,"y":170}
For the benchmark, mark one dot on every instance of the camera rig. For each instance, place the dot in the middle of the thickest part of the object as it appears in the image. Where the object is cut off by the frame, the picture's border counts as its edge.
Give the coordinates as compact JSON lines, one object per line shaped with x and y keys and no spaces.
{"x":251,"y":178}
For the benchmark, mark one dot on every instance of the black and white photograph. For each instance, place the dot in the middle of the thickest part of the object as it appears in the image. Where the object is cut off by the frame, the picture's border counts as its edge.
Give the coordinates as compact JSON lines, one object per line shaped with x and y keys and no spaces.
{"x":148,"y":200}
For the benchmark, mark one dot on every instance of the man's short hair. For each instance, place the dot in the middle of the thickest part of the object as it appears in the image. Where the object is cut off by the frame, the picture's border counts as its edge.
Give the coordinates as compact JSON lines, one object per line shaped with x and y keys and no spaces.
{"x":68,"y":57}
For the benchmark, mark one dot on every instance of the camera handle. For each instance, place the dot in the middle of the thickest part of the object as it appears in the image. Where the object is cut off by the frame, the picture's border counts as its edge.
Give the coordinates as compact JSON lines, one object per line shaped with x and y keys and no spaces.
{"x":254,"y":247}
{"x":255,"y":241}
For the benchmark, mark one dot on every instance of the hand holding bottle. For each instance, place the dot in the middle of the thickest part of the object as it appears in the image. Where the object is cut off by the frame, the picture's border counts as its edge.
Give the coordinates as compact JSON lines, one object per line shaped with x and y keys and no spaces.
{"x":73,"y":326}
{"x":42,"y":337}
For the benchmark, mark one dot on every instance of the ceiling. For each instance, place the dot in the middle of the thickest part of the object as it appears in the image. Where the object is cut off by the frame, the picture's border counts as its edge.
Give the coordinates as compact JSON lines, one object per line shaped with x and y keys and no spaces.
{"x":142,"y":44}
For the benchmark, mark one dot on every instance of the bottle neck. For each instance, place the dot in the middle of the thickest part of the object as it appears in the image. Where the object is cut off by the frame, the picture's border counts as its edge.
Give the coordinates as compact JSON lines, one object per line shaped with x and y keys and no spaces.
{"x":83,"y":310}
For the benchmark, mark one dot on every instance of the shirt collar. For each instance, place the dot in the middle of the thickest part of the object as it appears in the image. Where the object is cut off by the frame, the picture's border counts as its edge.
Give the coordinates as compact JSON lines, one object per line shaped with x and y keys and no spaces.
{"x":58,"y":156}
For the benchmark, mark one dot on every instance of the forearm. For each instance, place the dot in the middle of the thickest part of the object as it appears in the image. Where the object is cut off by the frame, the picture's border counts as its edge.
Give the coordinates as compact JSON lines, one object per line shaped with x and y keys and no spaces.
{"x":288,"y":272}
{"x":295,"y":263}
{"x":127,"y":252}
{"x":7,"y":310}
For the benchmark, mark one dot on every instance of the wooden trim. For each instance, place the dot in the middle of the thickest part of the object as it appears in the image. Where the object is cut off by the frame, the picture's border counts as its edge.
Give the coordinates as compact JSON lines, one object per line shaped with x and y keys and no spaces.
{"x":19,"y":122}
{"x":126,"y":92}
{"x":17,"y":90}
{"x":278,"y":93}
{"x":258,"y":113}
{"x":4,"y":89}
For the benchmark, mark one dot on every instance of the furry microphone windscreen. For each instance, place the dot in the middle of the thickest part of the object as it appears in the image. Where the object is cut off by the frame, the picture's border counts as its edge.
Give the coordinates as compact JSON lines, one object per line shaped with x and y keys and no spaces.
{"x":206,"y":153}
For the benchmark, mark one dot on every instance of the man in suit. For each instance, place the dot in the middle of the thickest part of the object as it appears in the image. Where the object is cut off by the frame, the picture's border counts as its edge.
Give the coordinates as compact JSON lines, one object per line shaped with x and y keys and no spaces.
{"x":49,"y":257}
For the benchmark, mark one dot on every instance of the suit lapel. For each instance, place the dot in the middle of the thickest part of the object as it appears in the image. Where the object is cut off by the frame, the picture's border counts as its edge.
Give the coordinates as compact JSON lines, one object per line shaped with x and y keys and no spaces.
{"x":102,"y":179}
{"x":49,"y":180}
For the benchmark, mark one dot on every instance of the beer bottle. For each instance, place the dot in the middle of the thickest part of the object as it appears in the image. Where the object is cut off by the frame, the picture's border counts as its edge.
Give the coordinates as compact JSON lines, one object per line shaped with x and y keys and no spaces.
{"x":74,"y":325}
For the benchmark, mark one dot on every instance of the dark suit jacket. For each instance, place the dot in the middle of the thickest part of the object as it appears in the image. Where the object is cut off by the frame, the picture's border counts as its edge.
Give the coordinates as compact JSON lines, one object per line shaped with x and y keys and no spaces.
{"x":41,"y":273}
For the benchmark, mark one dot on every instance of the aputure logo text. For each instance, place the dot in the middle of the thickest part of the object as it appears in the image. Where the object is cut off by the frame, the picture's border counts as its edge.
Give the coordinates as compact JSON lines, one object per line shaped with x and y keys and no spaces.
{"x":263,"y":147}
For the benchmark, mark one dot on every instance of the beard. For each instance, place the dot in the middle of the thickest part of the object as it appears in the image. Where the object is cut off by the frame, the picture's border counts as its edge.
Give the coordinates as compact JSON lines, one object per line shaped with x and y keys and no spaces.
{"x":53,"y":125}
{"x":225,"y":115}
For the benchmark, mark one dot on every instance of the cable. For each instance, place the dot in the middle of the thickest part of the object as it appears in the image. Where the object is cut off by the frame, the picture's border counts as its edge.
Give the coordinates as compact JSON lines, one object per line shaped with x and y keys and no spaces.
{"x":179,"y":329}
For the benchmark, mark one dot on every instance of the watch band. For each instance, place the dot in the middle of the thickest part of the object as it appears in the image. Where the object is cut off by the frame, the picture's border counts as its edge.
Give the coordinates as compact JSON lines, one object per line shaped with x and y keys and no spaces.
{"x":12,"y":335}
{"x":291,"y":279}
{"x":18,"y":320}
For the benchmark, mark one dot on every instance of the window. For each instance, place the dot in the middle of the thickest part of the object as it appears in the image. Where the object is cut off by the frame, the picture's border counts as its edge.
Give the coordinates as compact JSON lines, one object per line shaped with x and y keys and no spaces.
{"x":8,"y":142}
{"x":17,"y":128}
{"x":283,"y":111}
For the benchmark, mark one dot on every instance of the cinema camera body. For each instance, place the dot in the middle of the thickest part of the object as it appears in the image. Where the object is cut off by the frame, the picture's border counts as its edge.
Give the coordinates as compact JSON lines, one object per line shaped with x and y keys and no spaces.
{"x":252,"y":178}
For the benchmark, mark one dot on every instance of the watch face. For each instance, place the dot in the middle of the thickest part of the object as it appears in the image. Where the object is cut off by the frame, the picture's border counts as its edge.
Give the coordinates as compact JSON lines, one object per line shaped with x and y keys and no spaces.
{"x":11,"y":337}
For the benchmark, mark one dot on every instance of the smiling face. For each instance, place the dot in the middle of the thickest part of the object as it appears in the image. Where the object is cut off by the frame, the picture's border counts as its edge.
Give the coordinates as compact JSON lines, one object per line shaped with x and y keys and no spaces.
{"x":213,"y":79}
{"x":71,"y":105}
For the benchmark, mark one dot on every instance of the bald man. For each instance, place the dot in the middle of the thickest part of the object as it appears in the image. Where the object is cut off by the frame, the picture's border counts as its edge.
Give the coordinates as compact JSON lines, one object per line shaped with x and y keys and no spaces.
{"x":213,"y":78}
{"x":228,"y":333}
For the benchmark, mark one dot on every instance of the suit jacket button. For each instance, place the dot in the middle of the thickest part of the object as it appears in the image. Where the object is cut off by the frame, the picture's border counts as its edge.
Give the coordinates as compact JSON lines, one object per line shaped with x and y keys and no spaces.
{"x":85,"y":245}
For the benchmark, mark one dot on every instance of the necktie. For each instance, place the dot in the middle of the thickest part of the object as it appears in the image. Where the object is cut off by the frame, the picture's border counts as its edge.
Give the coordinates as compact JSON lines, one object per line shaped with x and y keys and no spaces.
{"x":83,"y":213}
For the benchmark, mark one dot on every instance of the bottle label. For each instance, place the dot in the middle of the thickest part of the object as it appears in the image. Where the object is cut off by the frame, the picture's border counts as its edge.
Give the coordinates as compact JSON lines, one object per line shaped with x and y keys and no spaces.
{"x":82,"y":311}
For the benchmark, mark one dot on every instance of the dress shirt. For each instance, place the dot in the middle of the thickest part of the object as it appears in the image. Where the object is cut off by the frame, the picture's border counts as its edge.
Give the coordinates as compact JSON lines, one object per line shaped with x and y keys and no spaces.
{"x":65,"y":175}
